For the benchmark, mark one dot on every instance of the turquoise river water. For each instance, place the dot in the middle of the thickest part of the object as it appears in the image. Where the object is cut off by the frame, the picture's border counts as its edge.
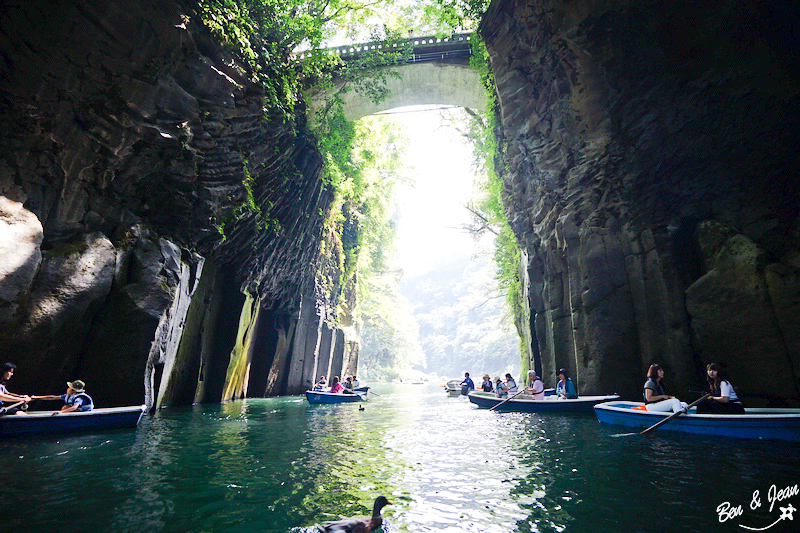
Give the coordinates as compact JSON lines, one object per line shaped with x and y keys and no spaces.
{"x":281,"y":465}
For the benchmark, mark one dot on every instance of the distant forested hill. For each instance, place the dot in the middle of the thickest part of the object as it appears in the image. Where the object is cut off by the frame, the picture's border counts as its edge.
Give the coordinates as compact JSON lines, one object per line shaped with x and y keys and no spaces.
{"x":462,"y":325}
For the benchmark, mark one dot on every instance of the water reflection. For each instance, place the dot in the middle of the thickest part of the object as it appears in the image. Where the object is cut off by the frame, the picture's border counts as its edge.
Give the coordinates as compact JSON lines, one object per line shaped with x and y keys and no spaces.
{"x":278,"y":465}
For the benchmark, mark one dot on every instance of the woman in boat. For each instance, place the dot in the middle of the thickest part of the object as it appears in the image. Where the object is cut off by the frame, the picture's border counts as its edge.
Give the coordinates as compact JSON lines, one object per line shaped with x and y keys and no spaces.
{"x":565,"y":389}
{"x":75,"y":399}
{"x":336,"y":387}
{"x":723,"y":400}
{"x":535,"y":388}
{"x":6,"y":371}
{"x":510,"y":383}
{"x":500,"y":388}
{"x":487,"y":386}
{"x":655,"y":395}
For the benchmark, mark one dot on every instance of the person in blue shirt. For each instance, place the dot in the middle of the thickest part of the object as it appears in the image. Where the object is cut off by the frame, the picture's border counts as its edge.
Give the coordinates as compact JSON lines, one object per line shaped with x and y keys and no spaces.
{"x":565,"y":390}
{"x":467,"y":385}
{"x":75,"y":399}
{"x":500,"y":388}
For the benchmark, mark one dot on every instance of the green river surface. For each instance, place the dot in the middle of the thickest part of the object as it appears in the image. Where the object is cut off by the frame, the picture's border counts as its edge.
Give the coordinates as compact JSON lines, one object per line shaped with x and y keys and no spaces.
{"x":281,"y":465}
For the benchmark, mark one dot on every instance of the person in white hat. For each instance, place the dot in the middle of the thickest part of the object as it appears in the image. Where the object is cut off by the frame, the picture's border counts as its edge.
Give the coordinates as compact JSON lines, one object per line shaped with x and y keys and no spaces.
{"x":75,"y":399}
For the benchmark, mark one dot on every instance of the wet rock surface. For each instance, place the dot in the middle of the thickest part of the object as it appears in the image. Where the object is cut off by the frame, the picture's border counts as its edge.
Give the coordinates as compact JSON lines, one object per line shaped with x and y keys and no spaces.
{"x":125,"y":123}
{"x":652,"y":179}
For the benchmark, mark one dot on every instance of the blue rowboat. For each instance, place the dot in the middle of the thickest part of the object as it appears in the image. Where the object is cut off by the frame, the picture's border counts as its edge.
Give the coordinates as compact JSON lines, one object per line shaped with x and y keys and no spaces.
{"x":765,"y":423}
{"x":316,"y":397}
{"x":47,"y":423}
{"x":551,"y":404}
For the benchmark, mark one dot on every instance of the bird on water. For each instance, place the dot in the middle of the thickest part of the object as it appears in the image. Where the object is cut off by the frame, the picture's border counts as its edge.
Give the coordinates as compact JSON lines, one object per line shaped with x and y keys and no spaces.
{"x":358,"y":524}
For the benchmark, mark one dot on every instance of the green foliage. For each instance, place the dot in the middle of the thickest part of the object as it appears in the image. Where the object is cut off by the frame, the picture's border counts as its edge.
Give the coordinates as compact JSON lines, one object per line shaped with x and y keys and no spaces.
{"x":460,"y":320}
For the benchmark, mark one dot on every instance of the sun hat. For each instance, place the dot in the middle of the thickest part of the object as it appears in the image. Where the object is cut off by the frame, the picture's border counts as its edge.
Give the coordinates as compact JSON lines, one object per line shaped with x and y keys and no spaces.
{"x":76,"y":385}
{"x":486,"y":376}
{"x":497,"y":378}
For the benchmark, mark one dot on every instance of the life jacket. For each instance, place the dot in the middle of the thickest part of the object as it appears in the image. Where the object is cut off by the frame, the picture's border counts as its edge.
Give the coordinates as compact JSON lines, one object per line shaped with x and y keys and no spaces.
{"x":540,"y":394}
{"x":87,"y":404}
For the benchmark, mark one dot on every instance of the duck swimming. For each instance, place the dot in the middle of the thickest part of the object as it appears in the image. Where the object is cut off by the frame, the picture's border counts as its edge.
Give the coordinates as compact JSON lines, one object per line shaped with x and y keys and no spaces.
{"x":358,"y":524}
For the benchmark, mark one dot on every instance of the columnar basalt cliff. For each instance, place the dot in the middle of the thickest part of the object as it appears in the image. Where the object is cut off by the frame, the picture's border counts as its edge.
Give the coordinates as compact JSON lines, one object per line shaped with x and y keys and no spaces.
{"x":652,"y":180}
{"x":159,"y":230}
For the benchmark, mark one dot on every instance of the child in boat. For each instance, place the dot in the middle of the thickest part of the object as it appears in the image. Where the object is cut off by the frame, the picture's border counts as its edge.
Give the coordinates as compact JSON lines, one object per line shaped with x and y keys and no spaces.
{"x":487,"y":386}
{"x":75,"y":399}
{"x":723,"y":400}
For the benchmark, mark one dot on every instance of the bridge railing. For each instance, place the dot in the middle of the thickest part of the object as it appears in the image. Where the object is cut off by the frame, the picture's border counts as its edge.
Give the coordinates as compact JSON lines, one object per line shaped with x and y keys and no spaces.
{"x":426,"y":48}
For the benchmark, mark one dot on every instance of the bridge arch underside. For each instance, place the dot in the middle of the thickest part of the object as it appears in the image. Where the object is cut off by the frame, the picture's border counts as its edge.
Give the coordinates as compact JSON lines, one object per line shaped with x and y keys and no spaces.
{"x":423,"y":84}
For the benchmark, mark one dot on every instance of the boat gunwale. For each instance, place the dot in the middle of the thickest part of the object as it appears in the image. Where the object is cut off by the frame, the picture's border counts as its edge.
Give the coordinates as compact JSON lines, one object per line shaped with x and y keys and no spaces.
{"x":94,"y":412}
{"x":580,"y":399}
{"x":754,"y":413}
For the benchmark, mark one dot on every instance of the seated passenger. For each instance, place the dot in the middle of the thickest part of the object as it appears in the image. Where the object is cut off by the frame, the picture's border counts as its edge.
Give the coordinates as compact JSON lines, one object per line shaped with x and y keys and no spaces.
{"x":510,"y":383}
{"x":321,"y":384}
{"x":723,"y":400}
{"x":356,"y":383}
{"x":75,"y":399}
{"x":6,"y":371}
{"x":487,"y":386}
{"x":656,"y":397}
{"x":500,"y":388}
{"x":565,"y":389}
{"x":467,"y":384}
{"x":535,"y":388}
{"x":336,"y":387}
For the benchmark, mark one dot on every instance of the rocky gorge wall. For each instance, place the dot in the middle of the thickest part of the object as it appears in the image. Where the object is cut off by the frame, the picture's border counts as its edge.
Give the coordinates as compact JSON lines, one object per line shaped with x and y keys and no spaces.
{"x":159,"y":231}
{"x":651,"y":171}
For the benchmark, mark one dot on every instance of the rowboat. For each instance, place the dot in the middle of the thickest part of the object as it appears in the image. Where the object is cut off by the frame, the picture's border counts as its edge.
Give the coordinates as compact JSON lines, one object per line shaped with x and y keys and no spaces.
{"x":551,"y":403}
{"x":453,"y":388}
{"x":317,"y":397}
{"x":50,"y":422}
{"x":764,"y":423}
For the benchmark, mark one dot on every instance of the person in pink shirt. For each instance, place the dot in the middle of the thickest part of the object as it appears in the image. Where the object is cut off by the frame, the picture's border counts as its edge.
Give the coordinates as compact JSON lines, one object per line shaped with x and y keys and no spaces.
{"x":336,"y":387}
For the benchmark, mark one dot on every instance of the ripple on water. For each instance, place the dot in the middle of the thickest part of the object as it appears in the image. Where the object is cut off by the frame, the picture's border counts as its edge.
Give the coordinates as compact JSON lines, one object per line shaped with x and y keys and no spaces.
{"x":277,"y":465}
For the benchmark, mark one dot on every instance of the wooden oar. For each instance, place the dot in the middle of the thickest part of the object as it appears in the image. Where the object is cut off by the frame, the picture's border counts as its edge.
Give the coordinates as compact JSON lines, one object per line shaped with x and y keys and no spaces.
{"x":509,"y":398}
{"x":674,"y":415}
{"x":4,"y":410}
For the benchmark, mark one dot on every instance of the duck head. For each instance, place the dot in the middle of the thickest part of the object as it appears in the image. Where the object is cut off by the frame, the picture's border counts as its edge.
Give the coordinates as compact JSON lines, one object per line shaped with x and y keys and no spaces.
{"x":380,"y":503}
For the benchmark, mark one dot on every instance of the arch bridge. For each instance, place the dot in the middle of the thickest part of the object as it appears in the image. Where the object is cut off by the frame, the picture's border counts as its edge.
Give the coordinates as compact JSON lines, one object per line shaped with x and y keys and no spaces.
{"x":436,"y":73}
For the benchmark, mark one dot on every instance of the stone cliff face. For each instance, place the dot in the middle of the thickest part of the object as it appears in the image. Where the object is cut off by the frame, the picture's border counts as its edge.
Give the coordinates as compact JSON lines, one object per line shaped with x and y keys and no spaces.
{"x":652,"y":180}
{"x":159,"y":233}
